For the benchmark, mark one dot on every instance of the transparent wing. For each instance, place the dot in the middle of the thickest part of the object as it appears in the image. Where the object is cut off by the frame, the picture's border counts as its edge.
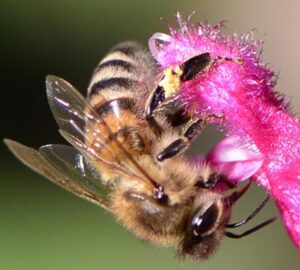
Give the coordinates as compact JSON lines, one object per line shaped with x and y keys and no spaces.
{"x":74,"y":115}
{"x":64,"y":166}
{"x":70,"y":160}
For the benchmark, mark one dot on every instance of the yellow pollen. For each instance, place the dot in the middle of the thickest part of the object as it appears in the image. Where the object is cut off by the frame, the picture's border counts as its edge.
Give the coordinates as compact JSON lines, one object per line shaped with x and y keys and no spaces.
{"x":171,"y":80}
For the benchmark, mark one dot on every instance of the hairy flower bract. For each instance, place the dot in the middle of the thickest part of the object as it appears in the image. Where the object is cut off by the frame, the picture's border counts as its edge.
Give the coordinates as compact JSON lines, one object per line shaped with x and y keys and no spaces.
{"x":240,"y":87}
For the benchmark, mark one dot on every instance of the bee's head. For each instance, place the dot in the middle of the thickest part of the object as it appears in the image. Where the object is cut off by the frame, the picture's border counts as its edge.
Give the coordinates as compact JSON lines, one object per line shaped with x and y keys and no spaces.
{"x":205,"y":226}
{"x":208,"y":220}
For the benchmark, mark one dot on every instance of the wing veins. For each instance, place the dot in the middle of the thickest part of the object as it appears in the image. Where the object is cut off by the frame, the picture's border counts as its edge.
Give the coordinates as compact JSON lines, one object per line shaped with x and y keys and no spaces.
{"x":39,"y":163}
{"x":77,"y":99}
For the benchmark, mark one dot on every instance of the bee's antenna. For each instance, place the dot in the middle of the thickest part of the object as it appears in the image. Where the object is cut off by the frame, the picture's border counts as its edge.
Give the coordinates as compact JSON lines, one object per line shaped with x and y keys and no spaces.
{"x":252,"y":230}
{"x":231,"y":199}
{"x":251,"y":216}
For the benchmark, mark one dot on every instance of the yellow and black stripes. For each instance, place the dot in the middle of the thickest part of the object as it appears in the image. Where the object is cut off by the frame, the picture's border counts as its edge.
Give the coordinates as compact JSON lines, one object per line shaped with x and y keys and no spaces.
{"x":116,"y":84}
{"x":115,"y":63}
{"x":115,"y":106}
{"x":119,"y":115}
{"x":121,"y":71}
{"x":119,"y":82}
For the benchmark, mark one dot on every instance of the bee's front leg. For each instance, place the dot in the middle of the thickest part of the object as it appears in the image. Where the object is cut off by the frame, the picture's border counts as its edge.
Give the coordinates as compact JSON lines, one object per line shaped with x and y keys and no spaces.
{"x":156,"y":98}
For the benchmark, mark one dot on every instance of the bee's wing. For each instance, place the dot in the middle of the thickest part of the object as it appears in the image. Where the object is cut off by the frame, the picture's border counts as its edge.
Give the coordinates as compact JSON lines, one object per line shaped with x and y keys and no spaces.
{"x":74,"y":114}
{"x":65,"y":166}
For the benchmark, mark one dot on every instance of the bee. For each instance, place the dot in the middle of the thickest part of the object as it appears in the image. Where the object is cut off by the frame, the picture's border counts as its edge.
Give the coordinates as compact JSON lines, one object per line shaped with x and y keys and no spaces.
{"x":122,"y":158}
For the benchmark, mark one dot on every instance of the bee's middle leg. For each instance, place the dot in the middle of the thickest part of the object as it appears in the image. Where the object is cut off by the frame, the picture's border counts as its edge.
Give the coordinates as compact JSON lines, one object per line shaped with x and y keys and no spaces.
{"x":194,"y":128}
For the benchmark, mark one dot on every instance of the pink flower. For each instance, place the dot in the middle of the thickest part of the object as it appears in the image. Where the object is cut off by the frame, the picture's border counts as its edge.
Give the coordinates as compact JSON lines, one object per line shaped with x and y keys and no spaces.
{"x":235,"y":159}
{"x":242,"y":91}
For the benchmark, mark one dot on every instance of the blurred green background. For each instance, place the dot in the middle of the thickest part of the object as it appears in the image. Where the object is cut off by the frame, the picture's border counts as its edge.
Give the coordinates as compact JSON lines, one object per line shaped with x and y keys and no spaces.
{"x":44,"y":227}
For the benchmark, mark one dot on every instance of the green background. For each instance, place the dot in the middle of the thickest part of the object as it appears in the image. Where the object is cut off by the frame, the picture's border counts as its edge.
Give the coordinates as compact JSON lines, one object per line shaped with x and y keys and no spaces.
{"x":44,"y":227}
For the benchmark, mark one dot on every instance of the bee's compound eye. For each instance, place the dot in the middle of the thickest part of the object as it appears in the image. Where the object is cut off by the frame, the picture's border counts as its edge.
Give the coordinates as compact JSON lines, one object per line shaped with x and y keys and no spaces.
{"x":203,"y":222}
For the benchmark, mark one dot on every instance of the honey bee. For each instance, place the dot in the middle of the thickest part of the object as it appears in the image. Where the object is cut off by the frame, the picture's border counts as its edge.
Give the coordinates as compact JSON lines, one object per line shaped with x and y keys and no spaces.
{"x":130,"y":162}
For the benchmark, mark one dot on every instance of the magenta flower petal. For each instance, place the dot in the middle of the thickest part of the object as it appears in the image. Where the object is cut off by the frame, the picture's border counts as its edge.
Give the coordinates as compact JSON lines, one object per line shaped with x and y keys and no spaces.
{"x":156,"y":41}
{"x":286,"y":188}
{"x":237,"y":160}
{"x":242,"y":90}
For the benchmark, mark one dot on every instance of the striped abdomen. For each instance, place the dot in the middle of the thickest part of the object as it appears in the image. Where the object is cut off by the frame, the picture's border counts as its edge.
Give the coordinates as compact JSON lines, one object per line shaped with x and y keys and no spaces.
{"x":120,"y":84}
{"x":126,"y":71}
